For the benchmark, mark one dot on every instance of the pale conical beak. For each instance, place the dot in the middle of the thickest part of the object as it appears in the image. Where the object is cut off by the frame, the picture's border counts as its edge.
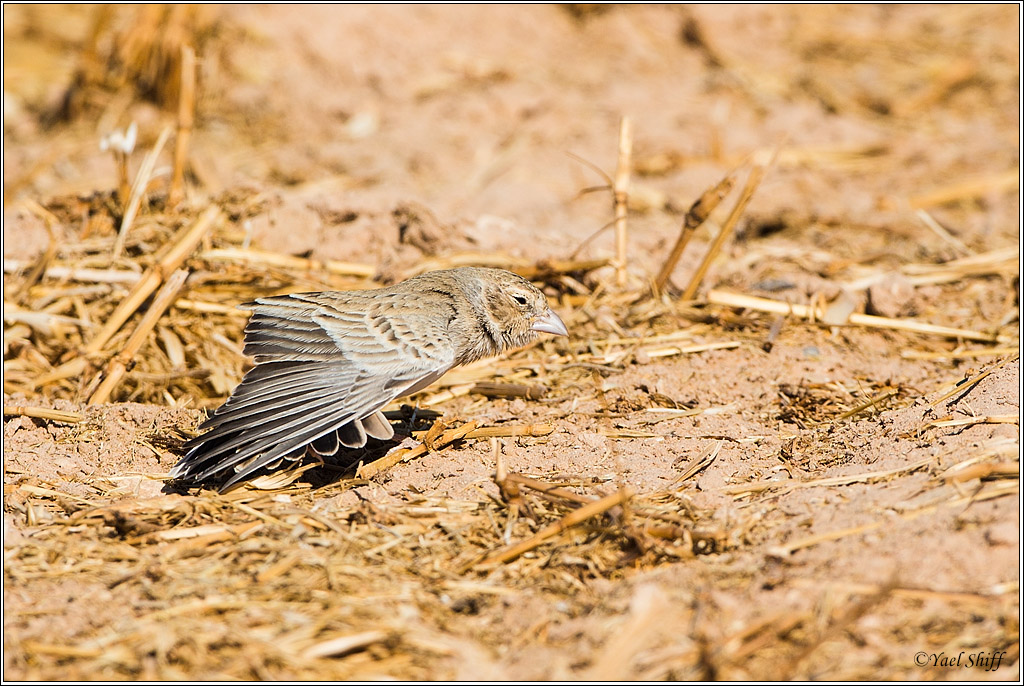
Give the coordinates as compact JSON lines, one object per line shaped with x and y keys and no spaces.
{"x":549,"y":322}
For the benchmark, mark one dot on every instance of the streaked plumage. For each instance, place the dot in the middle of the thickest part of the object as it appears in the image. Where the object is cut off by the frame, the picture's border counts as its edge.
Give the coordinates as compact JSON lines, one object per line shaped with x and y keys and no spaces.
{"x":327,"y":363}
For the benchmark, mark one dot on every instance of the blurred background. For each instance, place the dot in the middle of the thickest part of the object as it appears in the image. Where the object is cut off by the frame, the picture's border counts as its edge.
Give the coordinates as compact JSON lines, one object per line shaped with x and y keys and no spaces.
{"x":322,"y":121}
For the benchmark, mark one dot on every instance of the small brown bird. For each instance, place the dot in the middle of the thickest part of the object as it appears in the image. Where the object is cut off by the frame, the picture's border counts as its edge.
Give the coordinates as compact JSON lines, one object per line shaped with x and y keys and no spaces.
{"x":327,"y":363}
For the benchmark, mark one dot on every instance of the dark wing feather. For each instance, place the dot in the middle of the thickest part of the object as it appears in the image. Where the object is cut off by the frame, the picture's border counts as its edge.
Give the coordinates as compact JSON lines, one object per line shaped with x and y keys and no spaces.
{"x":319,"y":369}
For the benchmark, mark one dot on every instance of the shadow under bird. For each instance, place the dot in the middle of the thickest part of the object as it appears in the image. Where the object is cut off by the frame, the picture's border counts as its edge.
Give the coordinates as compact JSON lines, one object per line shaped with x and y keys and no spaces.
{"x":328,"y":363}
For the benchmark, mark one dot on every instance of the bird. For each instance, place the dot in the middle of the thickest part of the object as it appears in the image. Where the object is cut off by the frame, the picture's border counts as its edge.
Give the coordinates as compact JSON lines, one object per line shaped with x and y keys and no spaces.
{"x":327,"y":363}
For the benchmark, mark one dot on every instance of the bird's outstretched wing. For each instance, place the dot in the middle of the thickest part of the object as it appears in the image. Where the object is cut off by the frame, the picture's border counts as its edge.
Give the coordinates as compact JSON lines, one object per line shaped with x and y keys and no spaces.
{"x":322,"y":367}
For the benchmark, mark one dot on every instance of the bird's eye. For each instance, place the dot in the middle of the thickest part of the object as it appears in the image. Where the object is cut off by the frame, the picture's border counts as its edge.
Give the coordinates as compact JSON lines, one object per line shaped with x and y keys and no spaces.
{"x":521,"y":299}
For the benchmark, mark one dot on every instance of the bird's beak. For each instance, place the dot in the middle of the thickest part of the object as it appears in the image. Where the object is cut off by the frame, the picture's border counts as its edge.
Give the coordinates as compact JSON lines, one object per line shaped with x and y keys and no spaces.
{"x":549,"y":322}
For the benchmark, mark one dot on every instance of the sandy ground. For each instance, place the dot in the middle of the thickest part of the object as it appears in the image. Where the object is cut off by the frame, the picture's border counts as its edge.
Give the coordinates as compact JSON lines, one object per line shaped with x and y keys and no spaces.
{"x":883,"y":545}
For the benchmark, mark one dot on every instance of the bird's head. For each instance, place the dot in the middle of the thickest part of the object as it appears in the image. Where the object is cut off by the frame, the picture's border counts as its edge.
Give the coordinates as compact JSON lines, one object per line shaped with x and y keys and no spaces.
{"x":516,"y":310}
